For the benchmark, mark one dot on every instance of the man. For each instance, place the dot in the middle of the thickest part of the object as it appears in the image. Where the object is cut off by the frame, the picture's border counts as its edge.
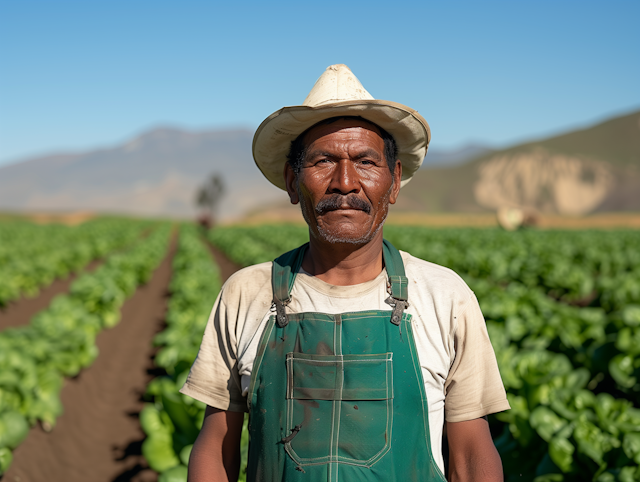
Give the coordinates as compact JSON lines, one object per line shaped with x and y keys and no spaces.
{"x":346,"y":353}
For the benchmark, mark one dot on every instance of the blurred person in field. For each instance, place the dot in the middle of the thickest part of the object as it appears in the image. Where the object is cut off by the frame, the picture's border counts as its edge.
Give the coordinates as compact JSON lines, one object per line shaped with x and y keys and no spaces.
{"x":348,"y":355}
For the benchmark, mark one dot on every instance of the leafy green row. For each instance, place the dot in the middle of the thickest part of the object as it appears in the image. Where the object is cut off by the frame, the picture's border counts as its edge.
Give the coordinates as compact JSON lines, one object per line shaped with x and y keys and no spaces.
{"x":60,"y":340}
{"x":605,"y":344}
{"x":558,"y":429}
{"x":573,"y":266}
{"x":557,"y":425}
{"x":256,"y":244}
{"x":171,"y":420}
{"x":32,"y":256}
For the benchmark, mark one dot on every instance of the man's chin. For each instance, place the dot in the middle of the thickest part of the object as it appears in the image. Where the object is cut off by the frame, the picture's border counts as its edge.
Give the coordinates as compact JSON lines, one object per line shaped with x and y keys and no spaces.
{"x":346,"y":234}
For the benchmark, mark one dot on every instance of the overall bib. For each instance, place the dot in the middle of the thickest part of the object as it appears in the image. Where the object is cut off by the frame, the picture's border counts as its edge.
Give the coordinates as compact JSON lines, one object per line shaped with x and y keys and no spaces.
{"x":339,"y":397}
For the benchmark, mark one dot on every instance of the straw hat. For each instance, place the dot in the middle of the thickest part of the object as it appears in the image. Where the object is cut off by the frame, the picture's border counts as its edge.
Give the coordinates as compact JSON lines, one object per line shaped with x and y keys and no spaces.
{"x":339,"y":93}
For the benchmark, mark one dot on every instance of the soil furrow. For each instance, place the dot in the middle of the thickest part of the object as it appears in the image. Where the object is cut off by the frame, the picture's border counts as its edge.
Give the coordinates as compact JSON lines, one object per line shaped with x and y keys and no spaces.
{"x":227,"y":267}
{"x":98,"y":437}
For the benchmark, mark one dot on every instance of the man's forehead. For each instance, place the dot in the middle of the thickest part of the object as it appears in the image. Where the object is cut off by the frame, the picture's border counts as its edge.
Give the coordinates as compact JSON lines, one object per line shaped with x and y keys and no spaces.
{"x":342,"y":125}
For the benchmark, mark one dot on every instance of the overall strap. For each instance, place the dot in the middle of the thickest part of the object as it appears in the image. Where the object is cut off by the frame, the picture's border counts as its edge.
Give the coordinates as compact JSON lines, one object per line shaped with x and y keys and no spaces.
{"x":395,"y":271}
{"x":283,"y":274}
{"x":398,"y":281}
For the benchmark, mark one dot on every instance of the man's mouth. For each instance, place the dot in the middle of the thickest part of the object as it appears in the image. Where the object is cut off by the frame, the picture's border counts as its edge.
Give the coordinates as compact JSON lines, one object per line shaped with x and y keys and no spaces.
{"x":340,"y":202}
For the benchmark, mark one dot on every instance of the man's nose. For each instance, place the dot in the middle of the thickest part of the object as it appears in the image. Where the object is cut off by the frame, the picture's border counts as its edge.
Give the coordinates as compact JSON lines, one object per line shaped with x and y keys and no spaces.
{"x":345,"y":178}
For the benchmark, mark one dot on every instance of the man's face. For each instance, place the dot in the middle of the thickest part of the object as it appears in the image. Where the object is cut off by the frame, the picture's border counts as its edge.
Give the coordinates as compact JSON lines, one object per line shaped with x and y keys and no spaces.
{"x":344,"y":186}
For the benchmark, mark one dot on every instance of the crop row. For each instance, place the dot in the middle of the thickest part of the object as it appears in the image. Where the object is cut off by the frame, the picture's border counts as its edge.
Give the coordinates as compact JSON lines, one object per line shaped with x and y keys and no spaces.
{"x":60,"y":340}
{"x":595,"y":268}
{"x":563,"y":311}
{"x":32,"y":256}
{"x":171,"y":420}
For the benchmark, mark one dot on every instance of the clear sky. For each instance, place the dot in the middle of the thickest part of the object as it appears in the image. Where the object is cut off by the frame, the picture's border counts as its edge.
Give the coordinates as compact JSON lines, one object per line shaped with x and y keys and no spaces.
{"x":84,"y":74}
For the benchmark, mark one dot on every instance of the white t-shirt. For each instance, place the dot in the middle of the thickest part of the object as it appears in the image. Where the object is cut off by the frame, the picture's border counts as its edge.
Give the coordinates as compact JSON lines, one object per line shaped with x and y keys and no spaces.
{"x":458,"y":364}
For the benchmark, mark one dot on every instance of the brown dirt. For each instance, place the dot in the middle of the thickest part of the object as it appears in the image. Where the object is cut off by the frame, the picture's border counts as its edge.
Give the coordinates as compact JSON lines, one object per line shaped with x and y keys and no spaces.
{"x":98,"y":438}
{"x":227,"y":267}
{"x":19,"y":312}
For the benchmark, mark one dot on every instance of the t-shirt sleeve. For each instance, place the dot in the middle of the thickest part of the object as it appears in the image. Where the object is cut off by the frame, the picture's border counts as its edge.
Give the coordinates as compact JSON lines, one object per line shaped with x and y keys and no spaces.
{"x":213,"y":378}
{"x":473,"y":387}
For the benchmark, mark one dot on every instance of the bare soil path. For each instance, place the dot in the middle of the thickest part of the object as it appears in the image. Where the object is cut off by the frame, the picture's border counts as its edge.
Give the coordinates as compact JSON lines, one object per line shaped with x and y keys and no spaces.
{"x":227,"y":267}
{"x":99,"y":437}
{"x":19,"y":312}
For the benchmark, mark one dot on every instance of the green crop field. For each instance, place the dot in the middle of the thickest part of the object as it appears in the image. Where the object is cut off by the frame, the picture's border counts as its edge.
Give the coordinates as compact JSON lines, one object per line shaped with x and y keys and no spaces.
{"x":562,"y":310}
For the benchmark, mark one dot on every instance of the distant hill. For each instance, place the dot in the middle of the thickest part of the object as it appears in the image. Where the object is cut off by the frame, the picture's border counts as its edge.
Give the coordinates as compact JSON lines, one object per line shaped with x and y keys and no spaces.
{"x":158,"y":173}
{"x":587,"y":170}
{"x":454,"y":157}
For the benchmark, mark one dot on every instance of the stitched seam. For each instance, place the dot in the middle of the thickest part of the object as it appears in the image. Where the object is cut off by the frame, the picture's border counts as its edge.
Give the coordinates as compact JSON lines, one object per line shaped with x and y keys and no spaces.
{"x":425,"y":412}
{"x":254,"y":376}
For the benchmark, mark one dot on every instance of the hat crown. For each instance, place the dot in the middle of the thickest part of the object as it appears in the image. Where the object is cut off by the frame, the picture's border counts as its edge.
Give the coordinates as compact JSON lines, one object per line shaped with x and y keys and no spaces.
{"x":336,"y":84}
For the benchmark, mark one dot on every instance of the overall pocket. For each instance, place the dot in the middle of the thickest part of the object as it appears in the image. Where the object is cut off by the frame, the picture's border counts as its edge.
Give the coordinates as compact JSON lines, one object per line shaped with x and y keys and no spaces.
{"x":343,"y":406}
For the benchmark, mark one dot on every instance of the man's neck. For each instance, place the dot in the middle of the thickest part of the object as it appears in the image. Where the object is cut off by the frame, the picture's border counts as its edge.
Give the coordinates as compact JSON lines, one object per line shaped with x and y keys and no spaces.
{"x":344,"y":264}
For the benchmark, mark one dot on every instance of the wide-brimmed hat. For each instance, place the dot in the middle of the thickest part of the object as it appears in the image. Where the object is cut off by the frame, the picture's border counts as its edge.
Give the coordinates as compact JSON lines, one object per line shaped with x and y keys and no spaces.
{"x":339,"y":93}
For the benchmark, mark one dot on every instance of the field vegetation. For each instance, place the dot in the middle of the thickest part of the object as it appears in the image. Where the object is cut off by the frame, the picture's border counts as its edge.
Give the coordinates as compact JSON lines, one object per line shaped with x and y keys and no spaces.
{"x":60,"y":340}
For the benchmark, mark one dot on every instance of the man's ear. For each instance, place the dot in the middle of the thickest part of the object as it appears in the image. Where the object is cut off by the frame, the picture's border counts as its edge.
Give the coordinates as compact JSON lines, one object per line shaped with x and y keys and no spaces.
{"x":292,"y":185}
{"x":397,"y":179}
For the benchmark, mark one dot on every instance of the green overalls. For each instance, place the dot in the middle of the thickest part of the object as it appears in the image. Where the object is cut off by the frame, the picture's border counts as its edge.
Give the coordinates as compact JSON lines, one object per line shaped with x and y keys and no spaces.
{"x":339,"y":397}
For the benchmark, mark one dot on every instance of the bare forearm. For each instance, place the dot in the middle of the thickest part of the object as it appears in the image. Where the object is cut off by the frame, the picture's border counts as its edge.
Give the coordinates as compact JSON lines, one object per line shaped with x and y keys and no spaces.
{"x":472,"y":455}
{"x":204,"y":466}
{"x":481,"y":467}
{"x":216,"y":453}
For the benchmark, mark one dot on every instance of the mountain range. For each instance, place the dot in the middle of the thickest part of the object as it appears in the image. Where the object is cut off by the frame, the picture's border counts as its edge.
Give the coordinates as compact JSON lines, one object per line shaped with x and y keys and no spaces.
{"x":159,"y":172}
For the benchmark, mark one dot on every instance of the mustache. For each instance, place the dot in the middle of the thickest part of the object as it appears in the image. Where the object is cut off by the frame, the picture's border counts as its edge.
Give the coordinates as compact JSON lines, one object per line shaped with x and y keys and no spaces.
{"x":337,"y":201}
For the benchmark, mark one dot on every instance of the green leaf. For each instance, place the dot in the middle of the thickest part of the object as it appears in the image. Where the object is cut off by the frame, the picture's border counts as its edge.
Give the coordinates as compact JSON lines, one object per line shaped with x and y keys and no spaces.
{"x":172,"y":403}
{"x":605,"y":477}
{"x":174,"y":474}
{"x":631,"y":446}
{"x":546,"y":422}
{"x":13,"y":429}
{"x":151,"y":421}
{"x":621,"y":369}
{"x":629,"y":474}
{"x":631,"y":315}
{"x":6,"y":457}
{"x":158,"y":450}
{"x":561,"y":452}
{"x":185,"y":453}
{"x":591,"y":440}
{"x":549,"y":478}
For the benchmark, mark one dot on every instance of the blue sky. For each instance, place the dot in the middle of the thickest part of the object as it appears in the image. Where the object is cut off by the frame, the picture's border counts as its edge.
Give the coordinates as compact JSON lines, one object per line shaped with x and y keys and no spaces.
{"x":83,"y":74}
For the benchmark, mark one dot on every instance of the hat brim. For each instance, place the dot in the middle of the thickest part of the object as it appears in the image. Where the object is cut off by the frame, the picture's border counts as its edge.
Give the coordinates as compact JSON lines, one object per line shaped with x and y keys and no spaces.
{"x":272,"y":140}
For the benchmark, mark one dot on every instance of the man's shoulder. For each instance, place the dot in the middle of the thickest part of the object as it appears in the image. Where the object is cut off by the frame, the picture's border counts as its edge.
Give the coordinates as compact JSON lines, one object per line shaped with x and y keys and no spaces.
{"x":248,"y":283}
{"x":426,"y":273}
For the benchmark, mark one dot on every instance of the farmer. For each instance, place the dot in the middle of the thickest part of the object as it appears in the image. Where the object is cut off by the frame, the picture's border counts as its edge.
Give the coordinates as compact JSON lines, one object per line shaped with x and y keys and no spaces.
{"x":348,"y":355}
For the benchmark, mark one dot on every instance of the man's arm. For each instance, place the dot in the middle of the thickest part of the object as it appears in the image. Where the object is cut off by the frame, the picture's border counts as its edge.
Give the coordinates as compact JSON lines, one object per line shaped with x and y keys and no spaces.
{"x":472,"y":455}
{"x":216,"y":454}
